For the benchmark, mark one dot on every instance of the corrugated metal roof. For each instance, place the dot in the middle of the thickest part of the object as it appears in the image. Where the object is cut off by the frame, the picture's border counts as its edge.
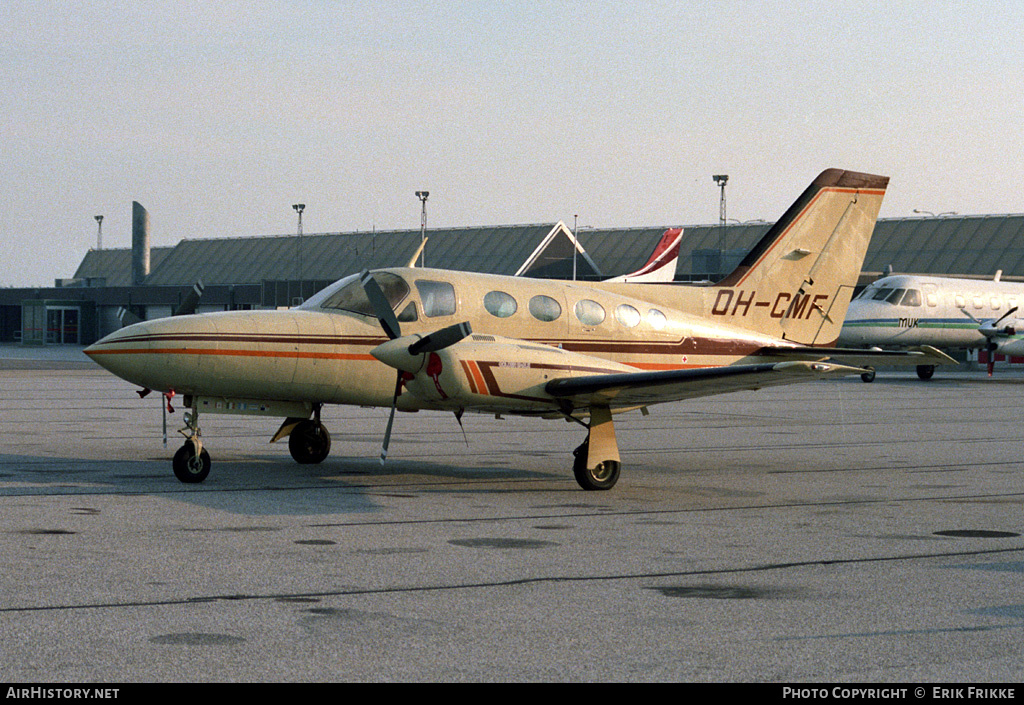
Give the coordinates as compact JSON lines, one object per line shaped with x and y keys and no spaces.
{"x":329,"y":257}
{"x":956,"y":245}
{"x":113,"y":267}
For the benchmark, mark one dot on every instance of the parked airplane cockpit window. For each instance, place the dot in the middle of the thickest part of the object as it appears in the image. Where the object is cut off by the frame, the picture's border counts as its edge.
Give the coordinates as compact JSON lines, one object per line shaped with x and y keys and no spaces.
{"x":352,"y":297}
{"x":545,"y":308}
{"x":589,"y":313}
{"x":895,"y":297}
{"x":627,"y":315}
{"x":438,"y":298}
{"x":911,"y":298}
{"x":882,"y":294}
{"x":500,"y":304}
{"x":657,"y":319}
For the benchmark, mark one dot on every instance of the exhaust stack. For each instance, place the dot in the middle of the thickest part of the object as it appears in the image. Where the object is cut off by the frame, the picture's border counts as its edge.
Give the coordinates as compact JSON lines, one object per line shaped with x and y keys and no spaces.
{"x":140,"y":244}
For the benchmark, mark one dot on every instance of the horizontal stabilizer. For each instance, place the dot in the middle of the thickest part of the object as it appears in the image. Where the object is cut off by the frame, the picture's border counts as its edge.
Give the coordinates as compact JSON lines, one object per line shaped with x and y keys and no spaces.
{"x":924,"y":355}
{"x":643,"y":388}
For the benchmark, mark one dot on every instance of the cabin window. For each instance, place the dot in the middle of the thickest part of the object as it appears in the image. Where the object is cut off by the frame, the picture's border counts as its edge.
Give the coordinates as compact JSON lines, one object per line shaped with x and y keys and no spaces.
{"x":589,"y":313}
{"x":656,"y":319}
{"x":545,"y":308}
{"x":959,"y":300}
{"x":911,"y":298}
{"x":978,"y":301}
{"x":996,"y":303}
{"x":408,"y":314}
{"x":438,"y":298}
{"x":352,"y":297}
{"x":500,"y":304}
{"x":627,"y":315}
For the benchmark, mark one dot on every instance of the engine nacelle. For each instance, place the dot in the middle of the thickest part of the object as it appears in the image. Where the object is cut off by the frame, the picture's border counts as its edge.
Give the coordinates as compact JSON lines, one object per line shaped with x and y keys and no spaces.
{"x":499,"y":374}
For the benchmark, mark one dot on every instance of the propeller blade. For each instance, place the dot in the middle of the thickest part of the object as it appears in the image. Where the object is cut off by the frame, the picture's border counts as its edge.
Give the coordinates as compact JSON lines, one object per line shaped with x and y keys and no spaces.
{"x":381,"y":307}
{"x":391,"y":419}
{"x":971,"y":316}
{"x":441,"y":339}
{"x":126,"y":317}
{"x":1000,"y":319}
{"x":191,"y":301}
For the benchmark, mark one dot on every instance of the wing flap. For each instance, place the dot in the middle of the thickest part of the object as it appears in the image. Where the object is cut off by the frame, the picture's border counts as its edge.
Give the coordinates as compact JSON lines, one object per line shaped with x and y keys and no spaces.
{"x":642,"y":388}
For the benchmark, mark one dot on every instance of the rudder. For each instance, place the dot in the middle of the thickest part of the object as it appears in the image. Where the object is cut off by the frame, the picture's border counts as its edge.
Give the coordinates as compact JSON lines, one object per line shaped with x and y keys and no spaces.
{"x":797,"y":282}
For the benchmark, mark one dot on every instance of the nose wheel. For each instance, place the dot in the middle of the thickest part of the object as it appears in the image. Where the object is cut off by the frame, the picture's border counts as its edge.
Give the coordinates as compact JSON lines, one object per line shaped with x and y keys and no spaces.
{"x":190,"y":466}
{"x":191,"y":462}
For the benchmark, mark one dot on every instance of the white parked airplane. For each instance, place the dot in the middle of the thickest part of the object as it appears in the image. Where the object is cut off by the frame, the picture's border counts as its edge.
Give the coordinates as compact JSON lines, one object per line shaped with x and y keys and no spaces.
{"x":947,"y":313}
{"x":412,"y":339}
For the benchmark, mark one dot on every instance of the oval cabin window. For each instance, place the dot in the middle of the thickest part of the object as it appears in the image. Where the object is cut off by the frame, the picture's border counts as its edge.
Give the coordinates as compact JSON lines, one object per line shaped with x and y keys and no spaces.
{"x":500,"y":304}
{"x":590,"y":313}
{"x":627,"y":315}
{"x":545,"y":308}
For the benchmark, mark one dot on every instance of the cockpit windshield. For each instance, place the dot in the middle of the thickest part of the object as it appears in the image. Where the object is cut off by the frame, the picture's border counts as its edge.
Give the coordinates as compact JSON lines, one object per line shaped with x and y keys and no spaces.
{"x":348,"y":294}
{"x":896,"y":297}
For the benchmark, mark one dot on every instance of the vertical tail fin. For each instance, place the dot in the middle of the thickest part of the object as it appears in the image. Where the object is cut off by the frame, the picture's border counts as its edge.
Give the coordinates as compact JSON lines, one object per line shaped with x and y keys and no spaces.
{"x":796,"y":283}
{"x":661,"y":265}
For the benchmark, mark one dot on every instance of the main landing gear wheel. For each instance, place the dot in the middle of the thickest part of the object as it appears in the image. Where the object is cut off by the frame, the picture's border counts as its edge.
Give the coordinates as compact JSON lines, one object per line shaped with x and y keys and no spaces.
{"x":603,"y":477}
{"x":189,"y":467}
{"x":925,"y":371}
{"x":868,"y":376}
{"x":309,"y":442}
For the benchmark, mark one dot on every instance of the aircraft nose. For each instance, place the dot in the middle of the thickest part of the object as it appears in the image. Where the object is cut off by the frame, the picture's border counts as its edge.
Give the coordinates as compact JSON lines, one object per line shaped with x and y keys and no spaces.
{"x":120,"y":352}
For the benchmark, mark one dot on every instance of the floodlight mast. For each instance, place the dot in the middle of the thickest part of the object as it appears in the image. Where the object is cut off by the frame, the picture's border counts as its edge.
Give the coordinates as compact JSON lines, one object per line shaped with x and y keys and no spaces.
{"x":721,"y":180}
{"x":422,"y":195}
{"x":299,"y":207}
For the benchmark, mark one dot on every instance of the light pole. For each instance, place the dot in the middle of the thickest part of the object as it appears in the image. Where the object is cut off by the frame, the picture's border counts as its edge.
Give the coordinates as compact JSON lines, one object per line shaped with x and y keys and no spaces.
{"x":422,"y":195}
{"x":721,"y":180}
{"x":299,"y":207}
{"x":99,"y":232}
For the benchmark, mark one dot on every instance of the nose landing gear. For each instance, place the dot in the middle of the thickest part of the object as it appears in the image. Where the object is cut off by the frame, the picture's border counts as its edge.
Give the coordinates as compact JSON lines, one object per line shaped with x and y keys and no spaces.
{"x":191,"y":462}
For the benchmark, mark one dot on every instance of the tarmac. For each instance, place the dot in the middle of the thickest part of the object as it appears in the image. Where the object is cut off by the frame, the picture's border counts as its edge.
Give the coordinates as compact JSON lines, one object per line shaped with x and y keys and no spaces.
{"x":827,"y":532}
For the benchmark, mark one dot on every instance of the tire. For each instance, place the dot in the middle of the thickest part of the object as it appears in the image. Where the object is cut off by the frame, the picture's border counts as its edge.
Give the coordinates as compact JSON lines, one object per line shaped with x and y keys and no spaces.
{"x":603,"y":477}
{"x":187,"y":467}
{"x":309,"y":443}
{"x":925,"y":371}
{"x":868,"y":376}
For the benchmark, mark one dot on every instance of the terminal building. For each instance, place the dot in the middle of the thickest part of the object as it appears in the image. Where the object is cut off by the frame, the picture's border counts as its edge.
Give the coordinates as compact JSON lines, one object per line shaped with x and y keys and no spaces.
{"x":145,"y":282}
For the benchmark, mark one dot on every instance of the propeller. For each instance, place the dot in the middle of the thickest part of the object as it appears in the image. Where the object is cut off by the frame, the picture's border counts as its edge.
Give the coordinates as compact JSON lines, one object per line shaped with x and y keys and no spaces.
{"x":991,"y":330}
{"x":405,"y":354}
{"x":189,"y":304}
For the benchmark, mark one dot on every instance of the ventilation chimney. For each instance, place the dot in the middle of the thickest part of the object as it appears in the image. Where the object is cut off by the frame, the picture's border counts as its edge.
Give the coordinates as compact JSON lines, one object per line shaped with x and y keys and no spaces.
{"x":140,"y":244}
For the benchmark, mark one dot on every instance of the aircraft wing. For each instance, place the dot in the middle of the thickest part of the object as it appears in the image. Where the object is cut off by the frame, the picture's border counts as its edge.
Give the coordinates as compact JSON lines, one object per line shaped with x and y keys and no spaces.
{"x":642,"y":388}
{"x":924,"y":355}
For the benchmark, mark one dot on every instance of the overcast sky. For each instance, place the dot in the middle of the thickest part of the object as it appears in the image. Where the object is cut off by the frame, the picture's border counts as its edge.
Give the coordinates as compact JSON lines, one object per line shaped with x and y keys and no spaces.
{"x":217,"y":117}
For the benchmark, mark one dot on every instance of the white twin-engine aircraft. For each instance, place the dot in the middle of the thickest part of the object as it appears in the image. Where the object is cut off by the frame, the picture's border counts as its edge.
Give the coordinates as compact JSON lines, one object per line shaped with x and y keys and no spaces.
{"x":411,"y":339}
{"x":944,"y":312}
